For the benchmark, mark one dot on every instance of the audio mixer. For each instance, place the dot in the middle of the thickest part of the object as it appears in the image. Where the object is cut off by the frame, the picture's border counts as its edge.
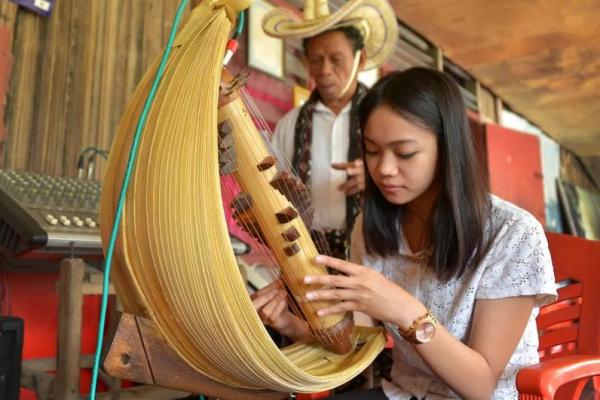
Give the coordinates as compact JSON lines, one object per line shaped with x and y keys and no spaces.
{"x":41,"y":214}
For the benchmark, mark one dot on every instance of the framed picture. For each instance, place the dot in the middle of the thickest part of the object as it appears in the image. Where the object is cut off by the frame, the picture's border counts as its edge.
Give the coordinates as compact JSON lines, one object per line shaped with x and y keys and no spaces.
{"x":582,"y":210}
{"x":265,"y":53}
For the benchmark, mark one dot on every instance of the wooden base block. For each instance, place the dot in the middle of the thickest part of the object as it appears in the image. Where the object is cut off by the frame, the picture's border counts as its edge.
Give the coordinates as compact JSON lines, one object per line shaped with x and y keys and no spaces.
{"x":135,"y":351}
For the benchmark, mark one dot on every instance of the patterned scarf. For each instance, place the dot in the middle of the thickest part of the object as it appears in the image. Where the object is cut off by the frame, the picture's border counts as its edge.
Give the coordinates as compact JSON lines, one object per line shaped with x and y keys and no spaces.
{"x":338,"y":241}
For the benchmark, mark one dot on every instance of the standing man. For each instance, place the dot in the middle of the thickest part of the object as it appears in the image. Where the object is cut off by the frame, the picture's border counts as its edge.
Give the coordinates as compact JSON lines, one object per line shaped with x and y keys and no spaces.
{"x":322,"y":137}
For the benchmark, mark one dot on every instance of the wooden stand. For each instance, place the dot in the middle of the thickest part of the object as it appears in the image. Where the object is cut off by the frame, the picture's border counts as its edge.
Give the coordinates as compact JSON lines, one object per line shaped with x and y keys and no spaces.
{"x":137,"y":352}
{"x":75,"y":281}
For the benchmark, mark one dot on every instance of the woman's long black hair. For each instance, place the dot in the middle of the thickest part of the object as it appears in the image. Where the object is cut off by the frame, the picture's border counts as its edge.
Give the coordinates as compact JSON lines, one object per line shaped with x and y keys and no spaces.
{"x":455,"y":230}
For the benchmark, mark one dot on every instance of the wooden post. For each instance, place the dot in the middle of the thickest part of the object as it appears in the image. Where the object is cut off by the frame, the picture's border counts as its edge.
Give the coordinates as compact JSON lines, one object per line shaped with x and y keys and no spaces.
{"x":475,"y":88}
{"x":69,"y":329}
{"x":498,"y":109}
{"x":438,"y":57}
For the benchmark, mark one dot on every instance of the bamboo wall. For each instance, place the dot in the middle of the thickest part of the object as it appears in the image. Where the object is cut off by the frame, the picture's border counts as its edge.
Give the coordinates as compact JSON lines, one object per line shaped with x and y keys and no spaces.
{"x":72,"y":74}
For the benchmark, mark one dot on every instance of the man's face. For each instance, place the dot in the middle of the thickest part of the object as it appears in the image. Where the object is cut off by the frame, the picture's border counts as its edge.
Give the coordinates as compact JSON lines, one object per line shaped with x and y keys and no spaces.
{"x":330,"y":58}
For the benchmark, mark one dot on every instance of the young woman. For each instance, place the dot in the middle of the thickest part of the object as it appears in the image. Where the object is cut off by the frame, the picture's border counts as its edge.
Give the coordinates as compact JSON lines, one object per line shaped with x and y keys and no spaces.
{"x":455,"y":274}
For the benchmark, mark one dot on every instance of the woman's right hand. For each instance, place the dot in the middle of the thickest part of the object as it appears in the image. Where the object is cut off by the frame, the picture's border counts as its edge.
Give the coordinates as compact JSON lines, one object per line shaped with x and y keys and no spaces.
{"x":271,"y":305}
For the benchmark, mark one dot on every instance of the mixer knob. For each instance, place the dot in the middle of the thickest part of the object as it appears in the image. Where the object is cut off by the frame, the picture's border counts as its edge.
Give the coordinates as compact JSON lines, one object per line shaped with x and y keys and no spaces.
{"x":77,"y":221}
{"x":51,"y":219}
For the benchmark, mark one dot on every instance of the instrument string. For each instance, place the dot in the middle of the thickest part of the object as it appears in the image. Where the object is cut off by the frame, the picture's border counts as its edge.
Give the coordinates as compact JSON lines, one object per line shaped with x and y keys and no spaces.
{"x":293,"y":190}
{"x":266,"y":254}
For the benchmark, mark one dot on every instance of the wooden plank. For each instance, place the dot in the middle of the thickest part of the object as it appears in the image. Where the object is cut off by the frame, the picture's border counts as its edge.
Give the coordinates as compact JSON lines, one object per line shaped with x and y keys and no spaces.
{"x":77,"y":90}
{"x":5,"y":69}
{"x":8,"y":12}
{"x":106,"y":122}
{"x":43,"y":385}
{"x":49,"y":364}
{"x":487,"y":104}
{"x":542,"y":58}
{"x":69,"y":329}
{"x":135,"y":68}
{"x":153,"y":31}
{"x":126,"y":58}
{"x":40,"y":382}
{"x":22,"y":107}
{"x":94,"y":59}
{"x":438,"y":58}
{"x":144,"y":392}
{"x":53,"y":91}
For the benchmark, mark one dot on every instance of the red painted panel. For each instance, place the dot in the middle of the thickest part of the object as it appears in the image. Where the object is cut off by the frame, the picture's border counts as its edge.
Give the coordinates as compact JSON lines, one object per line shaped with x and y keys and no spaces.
{"x":515,"y":168}
{"x":33,"y":297}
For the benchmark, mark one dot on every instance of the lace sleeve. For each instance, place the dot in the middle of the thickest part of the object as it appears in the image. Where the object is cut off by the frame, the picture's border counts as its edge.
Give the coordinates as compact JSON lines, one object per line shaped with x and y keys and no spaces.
{"x":520,"y":263}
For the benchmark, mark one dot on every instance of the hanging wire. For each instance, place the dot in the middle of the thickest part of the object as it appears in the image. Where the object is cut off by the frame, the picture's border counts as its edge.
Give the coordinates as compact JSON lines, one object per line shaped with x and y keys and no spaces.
{"x":240,"y":24}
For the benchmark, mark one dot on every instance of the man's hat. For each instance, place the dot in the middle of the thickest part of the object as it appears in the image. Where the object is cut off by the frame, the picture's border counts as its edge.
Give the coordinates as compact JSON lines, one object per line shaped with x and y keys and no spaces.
{"x":374,"y":19}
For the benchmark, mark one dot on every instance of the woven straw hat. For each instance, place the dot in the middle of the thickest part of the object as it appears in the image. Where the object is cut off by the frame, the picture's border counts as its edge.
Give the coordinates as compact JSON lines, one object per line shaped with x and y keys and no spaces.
{"x":374,"y":19}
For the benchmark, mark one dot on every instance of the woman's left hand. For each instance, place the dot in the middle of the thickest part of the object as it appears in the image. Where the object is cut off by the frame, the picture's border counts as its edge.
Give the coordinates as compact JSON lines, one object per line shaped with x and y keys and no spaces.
{"x":366,"y":291}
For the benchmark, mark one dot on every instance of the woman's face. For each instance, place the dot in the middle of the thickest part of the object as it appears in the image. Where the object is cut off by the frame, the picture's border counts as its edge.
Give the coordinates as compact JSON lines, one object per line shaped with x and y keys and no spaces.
{"x":401,"y":156}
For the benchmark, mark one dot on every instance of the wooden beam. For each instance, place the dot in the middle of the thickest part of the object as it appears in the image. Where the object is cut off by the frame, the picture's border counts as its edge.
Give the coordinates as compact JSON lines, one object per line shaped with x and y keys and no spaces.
{"x":49,"y":364}
{"x":499,"y":107}
{"x":43,"y":385}
{"x":40,"y":382}
{"x":438,"y":58}
{"x":145,"y":393}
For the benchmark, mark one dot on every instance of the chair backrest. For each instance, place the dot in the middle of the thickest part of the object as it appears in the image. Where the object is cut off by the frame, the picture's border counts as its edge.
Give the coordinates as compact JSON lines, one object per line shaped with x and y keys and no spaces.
{"x":571,"y":325}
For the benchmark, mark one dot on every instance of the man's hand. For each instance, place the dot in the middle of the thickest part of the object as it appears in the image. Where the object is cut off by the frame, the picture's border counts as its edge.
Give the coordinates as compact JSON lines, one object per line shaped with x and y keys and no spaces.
{"x":356,"y":176}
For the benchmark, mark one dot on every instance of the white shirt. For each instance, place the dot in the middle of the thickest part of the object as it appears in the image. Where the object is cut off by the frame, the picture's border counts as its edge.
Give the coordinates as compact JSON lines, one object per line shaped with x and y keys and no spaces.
{"x":517,"y":264}
{"x":330,"y":141}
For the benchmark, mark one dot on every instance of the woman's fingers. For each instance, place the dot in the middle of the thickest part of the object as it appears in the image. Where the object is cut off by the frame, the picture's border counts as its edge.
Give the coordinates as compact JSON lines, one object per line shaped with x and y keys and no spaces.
{"x":279,"y":308}
{"x":343,"y":266}
{"x":339,"y":281}
{"x":276,"y":284}
{"x":259,"y":300}
{"x":339,"y":308}
{"x":271,"y":287}
{"x":270,"y":313}
{"x":336,"y":294}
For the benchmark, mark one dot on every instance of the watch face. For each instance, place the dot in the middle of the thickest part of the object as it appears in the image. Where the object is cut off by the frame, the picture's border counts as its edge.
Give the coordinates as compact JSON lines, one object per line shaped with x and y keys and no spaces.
{"x":425,"y":331}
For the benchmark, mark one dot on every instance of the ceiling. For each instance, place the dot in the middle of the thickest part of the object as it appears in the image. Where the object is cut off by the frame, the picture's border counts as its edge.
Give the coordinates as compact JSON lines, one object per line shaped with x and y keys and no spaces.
{"x":541,"y":57}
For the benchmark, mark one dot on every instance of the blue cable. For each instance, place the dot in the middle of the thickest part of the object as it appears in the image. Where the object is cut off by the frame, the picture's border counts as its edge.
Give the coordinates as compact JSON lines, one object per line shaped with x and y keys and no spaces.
{"x":124,"y":186}
{"x":240,"y":24}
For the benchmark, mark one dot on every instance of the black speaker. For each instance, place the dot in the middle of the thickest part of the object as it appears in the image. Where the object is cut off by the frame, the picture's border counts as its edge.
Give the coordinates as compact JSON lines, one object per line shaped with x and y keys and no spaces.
{"x":11,"y":346}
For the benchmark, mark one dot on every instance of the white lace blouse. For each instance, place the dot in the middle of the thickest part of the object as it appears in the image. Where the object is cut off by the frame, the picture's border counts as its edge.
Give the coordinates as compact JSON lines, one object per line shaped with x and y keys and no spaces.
{"x":517,"y":264}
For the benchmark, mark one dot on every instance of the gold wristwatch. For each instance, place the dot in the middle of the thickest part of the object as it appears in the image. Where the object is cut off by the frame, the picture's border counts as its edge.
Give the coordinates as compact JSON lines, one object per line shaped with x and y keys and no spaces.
{"x":422,"y":329}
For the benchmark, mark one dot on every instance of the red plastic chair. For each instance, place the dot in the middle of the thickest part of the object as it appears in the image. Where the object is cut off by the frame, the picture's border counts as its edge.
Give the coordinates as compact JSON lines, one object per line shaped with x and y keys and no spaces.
{"x":569,"y":328}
